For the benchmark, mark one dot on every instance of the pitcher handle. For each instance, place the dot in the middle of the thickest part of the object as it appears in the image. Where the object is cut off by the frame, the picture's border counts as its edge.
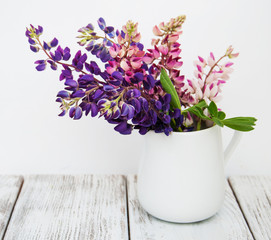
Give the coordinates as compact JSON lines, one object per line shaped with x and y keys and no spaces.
{"x":232,"y":146}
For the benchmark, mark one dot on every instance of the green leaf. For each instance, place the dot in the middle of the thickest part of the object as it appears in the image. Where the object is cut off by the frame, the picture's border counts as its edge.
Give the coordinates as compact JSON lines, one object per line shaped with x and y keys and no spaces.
{"x":169,"y":88}
{"x":198,"y":112}
{"x":201,"y":104}
{"x":240,"y":123}
{"x":217,"y":122}
{"x":221,"y":115}
{"x":212,"y":109}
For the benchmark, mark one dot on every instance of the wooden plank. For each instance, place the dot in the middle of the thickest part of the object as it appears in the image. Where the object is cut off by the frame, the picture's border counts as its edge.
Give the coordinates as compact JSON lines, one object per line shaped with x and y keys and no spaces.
{"x":9,"y":190}
{"x":228,"y":224}
{"x":70,"y":207}
{"x":254,"y":196}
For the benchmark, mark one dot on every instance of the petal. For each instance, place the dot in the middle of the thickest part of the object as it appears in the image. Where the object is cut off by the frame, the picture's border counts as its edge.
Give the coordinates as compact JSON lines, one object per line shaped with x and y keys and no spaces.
{"x":156,"y":31}
{"x":108,"y":88}
{"x":117,"y":75}
{"x":78,"y":94}
{"x":62,"y":113}
{"x":54,"y":42}
{"x":94,"y":110}
{"x":78,"y":113}
{"x":72,"y":112}
{"x":123,"y":128}
{"x":63,"y":94}
{"x":41,"y":67}
{"x":34,"y":48}
{"x":124,"y":65}
{"x":98,"y":94}
{"x":139,"y":76}
{"x":71,"y":83}
{"x":101,"y":23}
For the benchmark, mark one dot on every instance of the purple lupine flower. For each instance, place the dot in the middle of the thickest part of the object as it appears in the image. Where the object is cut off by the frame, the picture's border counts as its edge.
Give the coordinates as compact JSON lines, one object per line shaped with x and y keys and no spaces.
{"x":54,"y":43}
{"x":98,"y":93}
{"x":108,"y":88}
{"x":63,"y":94}
{"x":40,"y":28}
{"x":78,"y":94}
{"x":46,"y":46}
{"x":53,"y":64}
{"x":71,"y":83}
{"x":101,"y":23}
{"x":77,"y":113}
{"x":79,"y":60}
{"x":94,"y":109}
{"x":72,"y":112}
{"x":34,"y":48}
{"x":138,"y":77}
{"x":93,"y":68}
{"x":117,"y":75}
{"x":66,"y":54}
{"x":108,"y":29}
{"x":41,"y":67}
{"x":62,"y":113}
{"x":66,"y":74}
{"x":31,"y":41}
{"x":124,"y":128}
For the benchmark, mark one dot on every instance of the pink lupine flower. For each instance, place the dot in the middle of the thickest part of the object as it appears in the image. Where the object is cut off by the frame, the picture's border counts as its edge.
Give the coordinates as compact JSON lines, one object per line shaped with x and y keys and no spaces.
{"x":175,"y":52}
{"x":201,"y":62}
{"x":114,"y":50}
{"x":170,"y":63}
{"x":163,"y":49}
{"x":121,"y":40}
{"x":178,"y":64}
{"x":122,"y":52}
{"x":162,"y":26}
{"x":124,"y":65}
{"x":229,"y":64}
{"x":148,"y":58}
{"x":230,"y":54}
{"x":155,"y":41}
{"x":173,"y":37}
{"x":137,"y":37}
{"x":112,"y":68}
{"x":157,"y":31}
{"x":215,"y":75}
{"x":155,"y":52}
{"x":136,"y":62}
{"x":211,"y":60}
{"x":188,"y":121}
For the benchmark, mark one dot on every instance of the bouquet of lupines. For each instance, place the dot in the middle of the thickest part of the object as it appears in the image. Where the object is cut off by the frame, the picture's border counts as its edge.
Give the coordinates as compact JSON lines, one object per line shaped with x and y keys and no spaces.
{"x":137,"y":88}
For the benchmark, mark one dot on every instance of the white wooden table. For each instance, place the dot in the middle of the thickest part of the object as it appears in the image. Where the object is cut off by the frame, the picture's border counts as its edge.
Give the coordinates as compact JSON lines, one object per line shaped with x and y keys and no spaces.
{"x":106,"y":207}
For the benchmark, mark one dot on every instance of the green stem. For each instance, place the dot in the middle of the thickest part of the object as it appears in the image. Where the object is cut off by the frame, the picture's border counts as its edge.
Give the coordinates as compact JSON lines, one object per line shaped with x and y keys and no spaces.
{"x":199,"y":125}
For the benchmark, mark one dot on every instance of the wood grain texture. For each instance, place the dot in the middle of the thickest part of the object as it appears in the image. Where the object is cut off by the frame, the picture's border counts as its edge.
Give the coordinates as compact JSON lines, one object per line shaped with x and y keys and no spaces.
{"x":254,"y":196}
{"x":228,"y":224}
{"x":70,"y":207}
{"x":9,"y":190}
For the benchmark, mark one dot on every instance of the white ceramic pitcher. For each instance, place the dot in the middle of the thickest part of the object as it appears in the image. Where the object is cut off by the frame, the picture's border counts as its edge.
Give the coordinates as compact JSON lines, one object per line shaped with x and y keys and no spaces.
{"x":181,"y":176}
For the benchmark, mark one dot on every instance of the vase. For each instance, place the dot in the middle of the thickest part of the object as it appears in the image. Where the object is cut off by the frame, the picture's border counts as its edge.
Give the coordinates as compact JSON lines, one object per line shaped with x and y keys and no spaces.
{"x":181,"y":177}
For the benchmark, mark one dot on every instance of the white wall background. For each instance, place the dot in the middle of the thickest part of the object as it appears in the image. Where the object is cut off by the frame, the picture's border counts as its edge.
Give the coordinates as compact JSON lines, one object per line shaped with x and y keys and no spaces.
{"x":33,"y":139}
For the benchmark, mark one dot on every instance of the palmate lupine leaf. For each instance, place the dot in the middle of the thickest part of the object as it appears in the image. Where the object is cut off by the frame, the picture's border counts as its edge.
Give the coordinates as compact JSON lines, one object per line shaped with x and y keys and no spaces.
{"x":169,"y":88}
{"x":244,"y":124}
